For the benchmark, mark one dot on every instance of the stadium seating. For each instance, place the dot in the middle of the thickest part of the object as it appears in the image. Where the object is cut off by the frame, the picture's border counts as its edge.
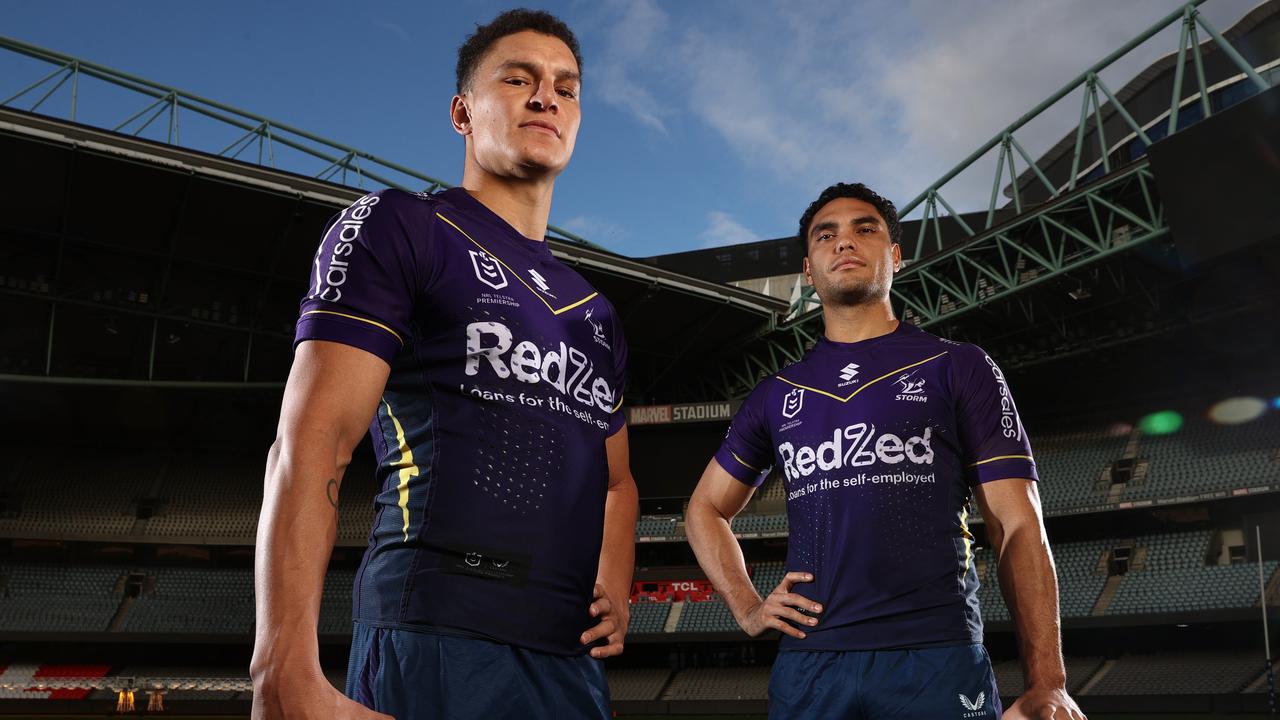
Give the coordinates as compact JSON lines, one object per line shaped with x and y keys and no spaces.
{"x":81,"y":495}
{"x":1010,"y":681}
{"x":1078,"y":582}
{"x":169,"y":673}
{"x":1180,"y":673}
{"x":335,"y":603}
{"x":216,"y":498}
{"x":1175,"y":578}
{"x":195,"y":601}
{"x":637,"y":683}
{"x":708,"y":616}
{"x":741,"y":683}
{"x":58,"y":598}
{"x":649,"y":617}
{"x":1070,"y":466}
{"x":209,"y":497}
{"x":1203,"y":456}
{"x":661,"y":526}
{"x":766,"y":576}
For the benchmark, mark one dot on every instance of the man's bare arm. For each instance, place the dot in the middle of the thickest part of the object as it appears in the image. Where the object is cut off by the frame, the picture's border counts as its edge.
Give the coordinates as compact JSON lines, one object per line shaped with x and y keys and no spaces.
{"x":716,"y":500}
{"x":617,"y":551}
{"x":330,"y":397}
{"x":1015,"y":529}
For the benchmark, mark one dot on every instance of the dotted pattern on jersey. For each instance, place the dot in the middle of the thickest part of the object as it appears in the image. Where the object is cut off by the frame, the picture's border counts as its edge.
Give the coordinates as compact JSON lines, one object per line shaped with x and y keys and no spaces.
{"x":516,"y":459}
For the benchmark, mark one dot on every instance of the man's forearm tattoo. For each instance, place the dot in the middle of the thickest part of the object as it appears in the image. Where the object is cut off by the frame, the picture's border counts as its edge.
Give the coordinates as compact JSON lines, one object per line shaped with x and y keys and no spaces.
{"x":332,"y":491}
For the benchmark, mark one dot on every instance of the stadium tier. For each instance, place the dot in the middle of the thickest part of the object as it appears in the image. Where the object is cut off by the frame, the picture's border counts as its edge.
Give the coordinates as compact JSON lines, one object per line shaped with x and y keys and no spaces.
{"x":637,"y":683}
{"x":1167,"y":674}
{"x":1177,"y":673}
{"x":216,"y":499}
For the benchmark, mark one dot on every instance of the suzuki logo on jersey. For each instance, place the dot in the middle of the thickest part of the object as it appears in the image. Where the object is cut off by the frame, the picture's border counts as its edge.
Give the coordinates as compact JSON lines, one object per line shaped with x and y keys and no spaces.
{"x":912,"y":390}
{"x":974,"y":705}
{"x":792,"y":403}
{"x":541,"y":282}
{"x":853,"y":446}
{"x":848,"y":374}
{"x":488,"y":269}
{"x":329,"y":284}
{"x":567,"y":369}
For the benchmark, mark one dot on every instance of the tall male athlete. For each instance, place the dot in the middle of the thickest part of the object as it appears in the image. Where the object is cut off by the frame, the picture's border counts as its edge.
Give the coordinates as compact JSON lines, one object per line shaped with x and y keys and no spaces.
{"x":500,"y":560}
{"x":883,"y":432}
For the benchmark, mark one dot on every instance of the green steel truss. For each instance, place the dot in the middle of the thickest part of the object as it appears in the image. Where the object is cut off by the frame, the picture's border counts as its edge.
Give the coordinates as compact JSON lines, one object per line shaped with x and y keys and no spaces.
{"x":244,"y":135}
{"x":1070,"y":228}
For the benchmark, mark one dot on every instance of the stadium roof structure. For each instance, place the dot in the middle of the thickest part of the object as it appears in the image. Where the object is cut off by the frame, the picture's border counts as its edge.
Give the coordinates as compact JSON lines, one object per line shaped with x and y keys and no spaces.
{"x":243,"y":199}
{"x":136,"y":261}
{"x":274,"y":144}
{"x":1092,"y":198}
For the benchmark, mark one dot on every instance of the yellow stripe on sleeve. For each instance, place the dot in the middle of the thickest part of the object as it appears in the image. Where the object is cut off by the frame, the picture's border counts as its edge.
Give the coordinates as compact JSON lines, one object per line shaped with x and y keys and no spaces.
{"x":1003,"y":457}
{"x":374,"y":323}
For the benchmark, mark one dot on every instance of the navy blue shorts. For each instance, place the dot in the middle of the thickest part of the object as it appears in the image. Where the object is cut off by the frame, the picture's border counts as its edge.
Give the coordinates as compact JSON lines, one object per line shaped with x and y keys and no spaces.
{"x":416,"y":675}
{"x":954,"y":682}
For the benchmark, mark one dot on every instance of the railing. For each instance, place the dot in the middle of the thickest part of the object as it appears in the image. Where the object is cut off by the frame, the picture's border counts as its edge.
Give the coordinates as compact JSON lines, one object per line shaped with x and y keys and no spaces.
{"x":235,"y":133}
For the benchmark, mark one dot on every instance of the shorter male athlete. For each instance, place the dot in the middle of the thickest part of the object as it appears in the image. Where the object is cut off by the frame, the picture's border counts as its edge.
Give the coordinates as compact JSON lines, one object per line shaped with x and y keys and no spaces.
{"x":884,"y":433}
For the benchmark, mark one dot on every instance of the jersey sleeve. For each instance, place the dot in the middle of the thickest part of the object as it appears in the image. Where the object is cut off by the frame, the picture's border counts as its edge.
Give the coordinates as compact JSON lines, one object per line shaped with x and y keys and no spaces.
{"x":365,"y":277}
{"x":993,"y":443}
{"x":619,"y":344}
{"x":746,"y":453}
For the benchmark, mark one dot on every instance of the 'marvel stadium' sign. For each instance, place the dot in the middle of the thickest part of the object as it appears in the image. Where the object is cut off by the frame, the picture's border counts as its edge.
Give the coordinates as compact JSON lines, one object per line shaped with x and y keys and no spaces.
{"x":683,"y":413}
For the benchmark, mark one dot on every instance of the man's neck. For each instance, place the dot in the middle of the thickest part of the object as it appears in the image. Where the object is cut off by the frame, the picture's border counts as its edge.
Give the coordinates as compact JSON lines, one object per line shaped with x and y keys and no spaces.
{"x":852,"y":323}
{"x":524,"y":204}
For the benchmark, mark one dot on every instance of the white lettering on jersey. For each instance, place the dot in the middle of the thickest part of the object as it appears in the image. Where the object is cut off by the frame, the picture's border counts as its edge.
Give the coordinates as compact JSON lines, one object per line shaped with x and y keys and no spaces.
{"x":329,"y":283}
{"x":1009,"y":425}
{"x":568,"y":370}
{"x":853,"y":446}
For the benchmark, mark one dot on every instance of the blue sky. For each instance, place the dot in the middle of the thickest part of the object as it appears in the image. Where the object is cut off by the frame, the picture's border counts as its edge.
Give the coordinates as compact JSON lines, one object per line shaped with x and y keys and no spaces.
{"x":704,"y":123}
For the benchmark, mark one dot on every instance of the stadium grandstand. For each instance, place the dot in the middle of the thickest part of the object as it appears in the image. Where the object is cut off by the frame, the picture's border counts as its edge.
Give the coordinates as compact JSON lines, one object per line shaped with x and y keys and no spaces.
{"x":143,"y":357}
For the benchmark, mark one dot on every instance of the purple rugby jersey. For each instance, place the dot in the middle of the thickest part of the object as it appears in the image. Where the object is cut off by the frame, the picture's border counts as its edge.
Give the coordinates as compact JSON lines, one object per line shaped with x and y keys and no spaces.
{"x":879,"y":442}
{"x":506,"y":378}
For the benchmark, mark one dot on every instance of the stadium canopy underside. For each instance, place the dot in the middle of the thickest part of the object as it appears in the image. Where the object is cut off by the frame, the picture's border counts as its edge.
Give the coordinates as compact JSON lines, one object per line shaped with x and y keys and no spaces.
{"x":137,"y":254}
{"x":129,"y":260}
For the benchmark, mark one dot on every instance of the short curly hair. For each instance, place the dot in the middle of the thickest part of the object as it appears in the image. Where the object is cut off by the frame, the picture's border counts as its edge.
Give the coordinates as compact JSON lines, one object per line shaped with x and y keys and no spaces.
{"x":509,"y":23}
{"x":857,"y":191}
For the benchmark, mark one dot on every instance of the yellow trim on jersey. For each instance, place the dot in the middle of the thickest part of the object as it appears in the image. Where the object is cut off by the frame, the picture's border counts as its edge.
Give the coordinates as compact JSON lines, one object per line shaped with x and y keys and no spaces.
{"x":536,"y":294}
{"x":864,"y":387}
{"x":617,"y":407}
{"x":968,"y":537}
{"x":1003,"y":457}
{"x":407,"y":468}
{"x":356,"y":317}
{"x":744,"y":462}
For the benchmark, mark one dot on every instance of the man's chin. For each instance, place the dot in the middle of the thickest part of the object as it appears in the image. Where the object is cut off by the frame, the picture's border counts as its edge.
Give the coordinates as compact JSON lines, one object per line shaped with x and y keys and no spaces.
{"x":850,"y":295}
{"x":534,"y":167}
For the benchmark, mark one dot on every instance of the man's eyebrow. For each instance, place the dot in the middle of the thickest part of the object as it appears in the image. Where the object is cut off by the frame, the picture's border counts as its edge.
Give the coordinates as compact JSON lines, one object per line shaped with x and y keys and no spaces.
{"x":532,"y":69}
{"x":826,"y":225}
{"x":865,"y":219}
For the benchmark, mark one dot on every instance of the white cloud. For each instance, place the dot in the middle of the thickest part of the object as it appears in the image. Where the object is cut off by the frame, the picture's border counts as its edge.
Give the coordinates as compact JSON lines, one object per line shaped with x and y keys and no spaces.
{"x":893,"y":94}
{"x":597,"y":230}
{"x":636,"y":33}
{"x":393,"y":28}
{"x":723,"y":229}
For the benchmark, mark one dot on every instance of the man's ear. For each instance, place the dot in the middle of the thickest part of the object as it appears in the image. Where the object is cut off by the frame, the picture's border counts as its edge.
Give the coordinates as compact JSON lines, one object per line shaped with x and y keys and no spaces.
{"x":897,"y":257}
{"x":460,"y":115}
{"x":808,"y":276}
